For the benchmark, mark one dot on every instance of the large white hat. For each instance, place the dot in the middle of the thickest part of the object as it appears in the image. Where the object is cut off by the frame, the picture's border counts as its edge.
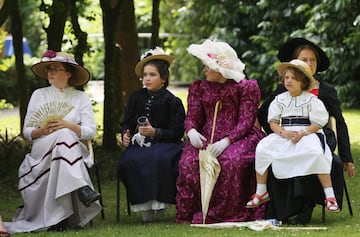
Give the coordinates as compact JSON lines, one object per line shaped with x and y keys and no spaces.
{"x":220,"y":57}
{"x":80,"y":76}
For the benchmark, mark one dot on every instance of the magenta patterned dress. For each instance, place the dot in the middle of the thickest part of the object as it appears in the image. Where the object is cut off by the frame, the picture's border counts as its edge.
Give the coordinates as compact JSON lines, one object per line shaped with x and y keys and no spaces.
{"x":236,"y":182}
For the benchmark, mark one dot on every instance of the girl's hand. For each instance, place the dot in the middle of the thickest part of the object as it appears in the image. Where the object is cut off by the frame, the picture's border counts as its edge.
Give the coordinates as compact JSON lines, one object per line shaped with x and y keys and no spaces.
{"x":297,"y":136}
{"x":294,"y":136}
{"x":126,"y":138}
{"x":147,"y":131}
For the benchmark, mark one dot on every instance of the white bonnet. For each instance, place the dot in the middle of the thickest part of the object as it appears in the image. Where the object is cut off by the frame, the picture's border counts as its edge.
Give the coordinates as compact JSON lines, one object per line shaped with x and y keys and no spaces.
{"x":220,"y":57}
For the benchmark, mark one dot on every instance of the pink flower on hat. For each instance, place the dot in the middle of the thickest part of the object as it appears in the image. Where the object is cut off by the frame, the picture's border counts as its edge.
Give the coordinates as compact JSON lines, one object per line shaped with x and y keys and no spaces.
{"x":49,"y":54}
{"x":227,"y":63}
{"x":222,"y":60}
{"x":220,"y":57}
{"x":211,"y":55}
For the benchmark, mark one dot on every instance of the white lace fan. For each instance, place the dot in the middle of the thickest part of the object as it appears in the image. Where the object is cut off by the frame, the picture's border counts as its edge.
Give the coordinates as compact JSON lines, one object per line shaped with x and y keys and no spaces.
{"x":49,"y":111}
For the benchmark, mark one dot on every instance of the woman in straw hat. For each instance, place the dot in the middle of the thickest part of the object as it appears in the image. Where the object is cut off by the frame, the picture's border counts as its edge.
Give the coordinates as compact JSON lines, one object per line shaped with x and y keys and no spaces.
{"x":300,"y":201}
{"x":54,"y":182}
{"x":152,"y":131}
{"x":235,"y":137}
{"x":294,"y":148}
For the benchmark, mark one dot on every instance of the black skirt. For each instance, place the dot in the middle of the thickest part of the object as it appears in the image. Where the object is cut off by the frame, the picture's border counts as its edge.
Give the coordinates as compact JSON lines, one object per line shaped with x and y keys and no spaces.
{"x":150,"y":173}
{"x":290,"y":196}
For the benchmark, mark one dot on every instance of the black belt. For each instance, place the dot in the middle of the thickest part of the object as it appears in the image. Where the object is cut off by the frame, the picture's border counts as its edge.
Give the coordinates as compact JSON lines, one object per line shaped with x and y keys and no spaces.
{"x":295,"y":121}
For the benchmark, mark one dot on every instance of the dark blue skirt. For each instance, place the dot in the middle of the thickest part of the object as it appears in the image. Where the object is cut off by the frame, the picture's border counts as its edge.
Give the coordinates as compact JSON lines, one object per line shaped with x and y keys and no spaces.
{"x":150,"y":173}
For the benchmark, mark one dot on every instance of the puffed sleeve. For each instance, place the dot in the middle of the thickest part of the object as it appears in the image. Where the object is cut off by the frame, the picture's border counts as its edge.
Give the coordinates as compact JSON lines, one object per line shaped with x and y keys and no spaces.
{"x":318,"y":114}
{"x":328,"y":94}
{"x":129,"y":121}
{"x":87,"y":119}
{"x":175,"y":130}
{"x":32,"y":106}
{"x":249,"y":97}
{"x":195,"y":112}
{"x":264,"y":108}
{"x":274,"y":113}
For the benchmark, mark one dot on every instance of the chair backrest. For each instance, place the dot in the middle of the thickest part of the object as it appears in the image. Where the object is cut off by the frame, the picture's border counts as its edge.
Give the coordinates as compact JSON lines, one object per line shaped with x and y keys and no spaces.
{"x":89,"y":146}
{"x":332,"y":125}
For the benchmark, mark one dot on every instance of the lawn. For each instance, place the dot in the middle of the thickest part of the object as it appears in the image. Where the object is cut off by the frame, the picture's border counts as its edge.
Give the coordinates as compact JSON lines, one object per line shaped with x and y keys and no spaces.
{"x":339,"y":224}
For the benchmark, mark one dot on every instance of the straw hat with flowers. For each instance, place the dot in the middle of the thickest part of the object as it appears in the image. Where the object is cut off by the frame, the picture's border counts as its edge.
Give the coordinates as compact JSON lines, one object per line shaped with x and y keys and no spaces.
{"x":80,"y":75}
{"x":152,"y":54}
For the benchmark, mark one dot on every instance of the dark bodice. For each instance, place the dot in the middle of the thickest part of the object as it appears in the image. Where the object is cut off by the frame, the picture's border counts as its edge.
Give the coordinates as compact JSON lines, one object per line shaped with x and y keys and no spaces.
{"x":164,"y":110}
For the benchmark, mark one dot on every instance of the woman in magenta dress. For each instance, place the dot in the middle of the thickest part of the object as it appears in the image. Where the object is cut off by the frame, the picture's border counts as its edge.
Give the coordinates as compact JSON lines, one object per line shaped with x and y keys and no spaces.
{"x":234,"y":142}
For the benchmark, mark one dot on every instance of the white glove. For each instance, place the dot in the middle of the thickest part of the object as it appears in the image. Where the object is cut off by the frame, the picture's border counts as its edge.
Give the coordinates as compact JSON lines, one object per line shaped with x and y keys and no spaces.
{"x":218,"y":147}
{"x":140,"y":139}
{"x":196,"y":139}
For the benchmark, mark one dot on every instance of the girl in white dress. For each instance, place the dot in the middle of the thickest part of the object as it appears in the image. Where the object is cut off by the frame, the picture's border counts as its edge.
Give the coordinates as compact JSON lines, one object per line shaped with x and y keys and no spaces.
{"x":295,"y":148}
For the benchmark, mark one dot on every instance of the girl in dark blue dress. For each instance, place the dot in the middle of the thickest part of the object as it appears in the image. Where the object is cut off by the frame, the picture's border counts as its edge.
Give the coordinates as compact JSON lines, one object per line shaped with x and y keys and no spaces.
{"x":149,"y":165}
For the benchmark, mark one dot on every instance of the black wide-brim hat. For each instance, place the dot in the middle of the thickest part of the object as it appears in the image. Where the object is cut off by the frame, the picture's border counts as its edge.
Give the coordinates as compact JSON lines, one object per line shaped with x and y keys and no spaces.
{"x":286,"y":52}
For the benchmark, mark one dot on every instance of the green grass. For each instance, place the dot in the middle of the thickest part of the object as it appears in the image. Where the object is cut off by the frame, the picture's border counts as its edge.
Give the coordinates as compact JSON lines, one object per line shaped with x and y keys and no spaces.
{"x":339,"y":224}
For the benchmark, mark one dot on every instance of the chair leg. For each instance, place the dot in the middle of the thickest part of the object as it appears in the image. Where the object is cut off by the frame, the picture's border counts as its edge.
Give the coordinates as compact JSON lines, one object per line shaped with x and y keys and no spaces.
{"x":118,"y":199}
{"x":128,"y":204}
{"x":348,"y":198}
{"x":118,"y":183}
{"x":99,"y":189}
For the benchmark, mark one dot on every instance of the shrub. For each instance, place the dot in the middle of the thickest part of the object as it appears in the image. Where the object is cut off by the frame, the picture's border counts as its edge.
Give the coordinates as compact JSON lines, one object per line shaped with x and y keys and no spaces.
{"x":12,"y":151}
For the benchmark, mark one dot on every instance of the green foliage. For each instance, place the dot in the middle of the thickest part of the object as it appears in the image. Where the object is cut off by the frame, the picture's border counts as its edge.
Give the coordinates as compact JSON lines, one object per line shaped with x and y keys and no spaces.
{"x":5,"y":105}
{"x":12,"y":151}
{"x":256,"y":29}
{"x":8,"y":83}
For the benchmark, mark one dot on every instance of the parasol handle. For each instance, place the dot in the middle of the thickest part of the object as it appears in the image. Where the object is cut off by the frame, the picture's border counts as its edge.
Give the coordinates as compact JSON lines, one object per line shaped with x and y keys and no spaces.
{"x":218,"y":103}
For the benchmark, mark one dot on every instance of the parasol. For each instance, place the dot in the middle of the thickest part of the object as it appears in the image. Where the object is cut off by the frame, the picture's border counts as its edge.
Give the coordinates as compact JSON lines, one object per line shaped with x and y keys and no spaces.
{"x":209,"y":170}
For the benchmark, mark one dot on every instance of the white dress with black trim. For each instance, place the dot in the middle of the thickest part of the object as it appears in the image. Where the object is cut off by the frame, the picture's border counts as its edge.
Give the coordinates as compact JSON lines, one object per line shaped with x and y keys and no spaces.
{"x":56,"y":167}
{"x":307,"y":156}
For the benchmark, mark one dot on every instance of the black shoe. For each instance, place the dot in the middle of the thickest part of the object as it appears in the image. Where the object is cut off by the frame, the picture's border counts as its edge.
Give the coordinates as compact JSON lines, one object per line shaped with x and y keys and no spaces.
{"x":87,"y":195}
{"x":59,"y":227}
{"x":304,"y":216}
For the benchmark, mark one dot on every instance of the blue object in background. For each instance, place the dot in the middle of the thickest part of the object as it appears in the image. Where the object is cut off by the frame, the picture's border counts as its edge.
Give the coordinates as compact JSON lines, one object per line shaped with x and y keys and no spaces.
{"x":9,"y":49}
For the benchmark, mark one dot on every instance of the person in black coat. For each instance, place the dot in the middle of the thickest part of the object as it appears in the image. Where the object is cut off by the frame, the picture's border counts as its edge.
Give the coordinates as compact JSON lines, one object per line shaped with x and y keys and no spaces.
{"x":298,"y":196}
{"x":152,"y":132}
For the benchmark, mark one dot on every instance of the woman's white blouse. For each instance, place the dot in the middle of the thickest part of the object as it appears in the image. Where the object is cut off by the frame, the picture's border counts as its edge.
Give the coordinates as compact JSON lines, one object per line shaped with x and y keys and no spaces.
{"x":82,"y":113}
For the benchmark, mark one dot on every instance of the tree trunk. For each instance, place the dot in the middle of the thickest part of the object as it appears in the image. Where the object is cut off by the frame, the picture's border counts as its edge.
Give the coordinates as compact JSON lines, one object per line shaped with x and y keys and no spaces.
{"x":111,"y":10}
{"x":128,"y":41}
{"x":82,"y":47}
{"x":55,"y":31}
{"x":5,"y":11}
{"x":16,"y":31}
{"x":155,"y":20}
{"x":121,"y":55}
